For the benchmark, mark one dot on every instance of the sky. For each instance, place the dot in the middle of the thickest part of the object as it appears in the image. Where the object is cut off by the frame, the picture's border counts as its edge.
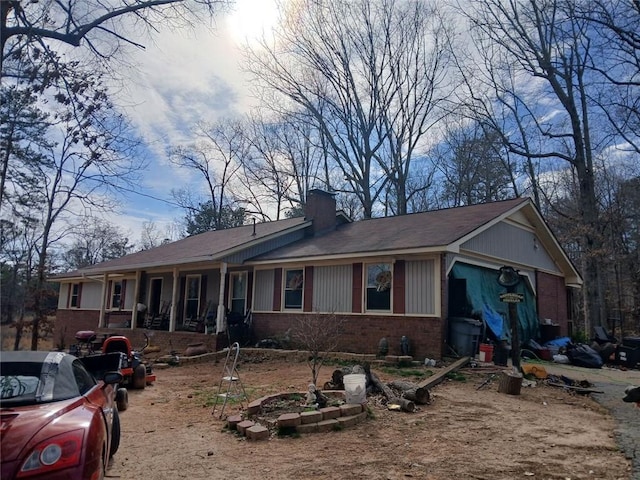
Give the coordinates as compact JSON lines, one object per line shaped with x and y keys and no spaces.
{"x":182,"y":77}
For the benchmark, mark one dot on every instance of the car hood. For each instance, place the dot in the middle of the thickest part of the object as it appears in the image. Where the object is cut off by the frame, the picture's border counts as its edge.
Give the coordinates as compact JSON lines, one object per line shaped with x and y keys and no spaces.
{"x":21,"y":424}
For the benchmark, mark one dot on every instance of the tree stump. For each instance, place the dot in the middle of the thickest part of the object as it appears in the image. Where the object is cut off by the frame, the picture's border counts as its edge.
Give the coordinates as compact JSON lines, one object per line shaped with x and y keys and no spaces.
{"x":510,"y":382}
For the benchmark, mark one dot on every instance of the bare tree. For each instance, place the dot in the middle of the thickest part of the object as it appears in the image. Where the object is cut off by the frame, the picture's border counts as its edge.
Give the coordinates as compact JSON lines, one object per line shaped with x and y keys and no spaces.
{"x":370,"y":75}
{"x":317,"y":334}
{"x":535,"y":57}
{"x":616,"y":58}
{"x":98,"y":25}
{"x":473,"y":166}
{"x":88,"y":158}
{"x":217,"y":155}
{"x":94,"y":240}
{"x":286,"y":162}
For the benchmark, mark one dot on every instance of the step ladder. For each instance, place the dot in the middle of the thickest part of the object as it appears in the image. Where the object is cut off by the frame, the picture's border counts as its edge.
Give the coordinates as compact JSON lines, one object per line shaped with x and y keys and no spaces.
{"x":230,"y":386}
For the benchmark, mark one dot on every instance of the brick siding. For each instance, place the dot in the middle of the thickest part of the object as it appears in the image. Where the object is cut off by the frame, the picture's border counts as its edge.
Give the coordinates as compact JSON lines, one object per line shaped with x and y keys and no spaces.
{"x":362,"y":333}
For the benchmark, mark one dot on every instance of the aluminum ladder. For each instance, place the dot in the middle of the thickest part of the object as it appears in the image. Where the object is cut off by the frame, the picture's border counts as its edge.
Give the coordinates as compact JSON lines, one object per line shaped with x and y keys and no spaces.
{"x":230,"y":385}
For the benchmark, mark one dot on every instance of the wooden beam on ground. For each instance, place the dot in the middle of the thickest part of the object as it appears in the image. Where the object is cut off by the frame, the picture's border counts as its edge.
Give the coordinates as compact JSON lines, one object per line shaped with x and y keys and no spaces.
{"x":438,"y":377}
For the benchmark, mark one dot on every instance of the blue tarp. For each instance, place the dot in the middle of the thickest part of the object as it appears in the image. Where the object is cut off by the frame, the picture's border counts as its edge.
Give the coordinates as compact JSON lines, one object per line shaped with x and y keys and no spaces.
{"x":483,"y":297}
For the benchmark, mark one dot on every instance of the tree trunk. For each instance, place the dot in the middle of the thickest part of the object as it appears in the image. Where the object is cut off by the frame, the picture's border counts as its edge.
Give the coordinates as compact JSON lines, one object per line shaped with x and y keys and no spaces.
{"x":405,"y":404}
{"x":411,"y":391}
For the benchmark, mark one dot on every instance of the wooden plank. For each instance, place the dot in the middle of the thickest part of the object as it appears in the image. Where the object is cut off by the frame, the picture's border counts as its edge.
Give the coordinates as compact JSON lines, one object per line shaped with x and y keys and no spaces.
{"x":576,"y":388}
{"x":438,"y":377}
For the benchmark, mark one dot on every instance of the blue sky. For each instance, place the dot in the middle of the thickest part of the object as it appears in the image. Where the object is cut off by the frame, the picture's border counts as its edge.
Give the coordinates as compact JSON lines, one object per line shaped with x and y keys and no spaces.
{"x":180,"y":78}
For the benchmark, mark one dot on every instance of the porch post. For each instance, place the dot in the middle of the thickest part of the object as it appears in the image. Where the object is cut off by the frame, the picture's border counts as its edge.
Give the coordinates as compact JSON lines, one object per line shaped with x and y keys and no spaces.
{"x":136,"y":293}
{"x":220,"y":326}
{"x":105,"y":283}
{"x":174,"y":300}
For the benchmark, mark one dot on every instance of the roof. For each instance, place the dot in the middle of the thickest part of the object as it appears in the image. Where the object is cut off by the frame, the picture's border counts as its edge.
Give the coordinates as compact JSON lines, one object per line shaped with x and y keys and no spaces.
{"x":434,"y":229}
{"x":208,"y":246}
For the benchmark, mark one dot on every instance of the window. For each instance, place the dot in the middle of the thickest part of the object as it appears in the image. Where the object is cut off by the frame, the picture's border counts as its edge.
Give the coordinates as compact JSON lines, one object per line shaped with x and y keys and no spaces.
{"x":192,"y":297}
{"x":74,"y":299}
{"x":116,"y":294}
{"x":293,"y":287}
{"x":379,"y":286}
{"x":238,"y":292}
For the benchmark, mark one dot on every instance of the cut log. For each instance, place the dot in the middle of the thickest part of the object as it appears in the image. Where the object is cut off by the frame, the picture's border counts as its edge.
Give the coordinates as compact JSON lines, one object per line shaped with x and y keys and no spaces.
{"x":411,"y":391}
{"x":405,"y":404}
{"x":510,"y":382}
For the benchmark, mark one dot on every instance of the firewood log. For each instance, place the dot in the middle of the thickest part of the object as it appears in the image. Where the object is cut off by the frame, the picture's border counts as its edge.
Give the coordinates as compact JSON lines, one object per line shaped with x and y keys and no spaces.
{"x":411,"y":391}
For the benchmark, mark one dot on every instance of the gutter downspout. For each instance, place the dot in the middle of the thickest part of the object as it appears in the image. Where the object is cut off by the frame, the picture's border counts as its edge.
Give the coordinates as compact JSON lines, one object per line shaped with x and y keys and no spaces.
{"x":220,"y":323}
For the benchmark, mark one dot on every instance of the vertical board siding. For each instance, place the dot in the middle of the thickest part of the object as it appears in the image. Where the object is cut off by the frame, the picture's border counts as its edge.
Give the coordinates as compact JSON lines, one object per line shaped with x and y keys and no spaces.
{"x":263,"y":296}
{"x":508,"y":242}
{"x":332,"y":288}
{"x":420,"y":287}
{"x":63,"y":295}
{"x":91,"y":294}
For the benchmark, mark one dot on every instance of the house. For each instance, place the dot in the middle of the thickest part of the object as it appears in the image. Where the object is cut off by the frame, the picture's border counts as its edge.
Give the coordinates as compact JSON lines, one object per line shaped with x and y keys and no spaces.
{"x":414,"y":275}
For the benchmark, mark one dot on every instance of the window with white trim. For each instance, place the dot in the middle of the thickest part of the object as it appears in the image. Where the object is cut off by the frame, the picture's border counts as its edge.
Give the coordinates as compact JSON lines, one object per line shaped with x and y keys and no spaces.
{"x":293,"y":288}
{"x":192,"y":297}
{"x":238,"y":292}
{"x":116,"y":294}
{"x":74,"y":297}
{"x":379,"y":278}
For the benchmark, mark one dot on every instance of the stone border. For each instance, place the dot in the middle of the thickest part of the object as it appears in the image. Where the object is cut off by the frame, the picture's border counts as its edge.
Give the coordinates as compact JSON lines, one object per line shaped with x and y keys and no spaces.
{"x":325,"y":419}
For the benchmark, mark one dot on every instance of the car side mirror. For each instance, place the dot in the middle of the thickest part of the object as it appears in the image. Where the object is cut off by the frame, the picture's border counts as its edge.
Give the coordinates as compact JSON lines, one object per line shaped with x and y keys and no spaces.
{"x":111,"y":378}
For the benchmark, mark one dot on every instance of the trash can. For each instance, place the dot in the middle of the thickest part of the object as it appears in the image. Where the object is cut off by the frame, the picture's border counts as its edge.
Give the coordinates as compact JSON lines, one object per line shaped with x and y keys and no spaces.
{"x":464,"y":335}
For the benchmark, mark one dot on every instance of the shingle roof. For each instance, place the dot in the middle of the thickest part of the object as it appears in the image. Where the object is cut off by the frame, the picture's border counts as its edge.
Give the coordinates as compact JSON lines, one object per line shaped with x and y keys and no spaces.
{"x":205,"y":246}
{"x":437,"y":228}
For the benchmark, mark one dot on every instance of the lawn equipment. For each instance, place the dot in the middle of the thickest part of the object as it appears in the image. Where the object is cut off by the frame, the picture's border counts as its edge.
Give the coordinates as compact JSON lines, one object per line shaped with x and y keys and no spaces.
{"x":136,"y":373}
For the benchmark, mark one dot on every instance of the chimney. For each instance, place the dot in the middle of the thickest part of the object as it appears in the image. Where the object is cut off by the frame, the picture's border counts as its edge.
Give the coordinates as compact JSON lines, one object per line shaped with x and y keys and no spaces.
{"x":321,"y":209}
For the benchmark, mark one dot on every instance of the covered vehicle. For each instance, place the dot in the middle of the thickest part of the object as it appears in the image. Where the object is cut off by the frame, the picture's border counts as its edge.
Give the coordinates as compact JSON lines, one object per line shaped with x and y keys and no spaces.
{"x":58,"y":420}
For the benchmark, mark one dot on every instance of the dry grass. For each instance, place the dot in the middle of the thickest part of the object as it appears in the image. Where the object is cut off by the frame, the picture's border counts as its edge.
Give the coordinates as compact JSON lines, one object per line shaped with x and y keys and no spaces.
{"x":8,"y":336}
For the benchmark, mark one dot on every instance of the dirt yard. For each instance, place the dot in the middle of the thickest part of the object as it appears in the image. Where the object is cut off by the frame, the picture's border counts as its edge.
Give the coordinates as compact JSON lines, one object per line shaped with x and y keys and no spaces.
{"x":169,"y":432}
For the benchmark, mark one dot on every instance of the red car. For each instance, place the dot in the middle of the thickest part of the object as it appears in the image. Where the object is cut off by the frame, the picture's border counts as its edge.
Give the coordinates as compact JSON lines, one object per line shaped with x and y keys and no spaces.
{"x":59,"y":418}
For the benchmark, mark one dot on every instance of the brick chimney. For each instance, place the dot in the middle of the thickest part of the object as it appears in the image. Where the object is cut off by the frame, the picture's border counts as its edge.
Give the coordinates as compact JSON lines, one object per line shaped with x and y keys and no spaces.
{"x":321,"y":209}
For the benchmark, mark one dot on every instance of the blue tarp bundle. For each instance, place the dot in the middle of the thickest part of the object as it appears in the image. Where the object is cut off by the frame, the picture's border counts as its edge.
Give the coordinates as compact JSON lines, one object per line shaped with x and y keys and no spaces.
{"x":483,"y":297}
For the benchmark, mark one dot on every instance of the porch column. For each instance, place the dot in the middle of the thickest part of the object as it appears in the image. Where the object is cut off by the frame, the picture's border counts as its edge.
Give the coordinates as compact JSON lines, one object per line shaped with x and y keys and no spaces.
{"x":105,"y":283}
{"x":220,"y":326}
{"x":174,"y":300}
{"x":136,"y":294}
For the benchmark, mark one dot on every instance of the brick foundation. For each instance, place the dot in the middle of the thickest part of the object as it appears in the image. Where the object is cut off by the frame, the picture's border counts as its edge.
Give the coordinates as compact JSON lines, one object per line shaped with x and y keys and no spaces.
{"x":362,"y":334}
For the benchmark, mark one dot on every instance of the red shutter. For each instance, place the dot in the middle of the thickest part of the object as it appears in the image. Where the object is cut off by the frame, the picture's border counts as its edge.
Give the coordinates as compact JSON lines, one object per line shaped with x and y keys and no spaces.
{"x":308,"y":289}
{"x":398,"y":287}
{"x":356,"y":298}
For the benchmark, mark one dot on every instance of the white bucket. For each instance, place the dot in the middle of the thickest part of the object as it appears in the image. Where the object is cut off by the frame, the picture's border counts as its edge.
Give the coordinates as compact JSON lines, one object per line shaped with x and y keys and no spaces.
{"x":355,"y":390}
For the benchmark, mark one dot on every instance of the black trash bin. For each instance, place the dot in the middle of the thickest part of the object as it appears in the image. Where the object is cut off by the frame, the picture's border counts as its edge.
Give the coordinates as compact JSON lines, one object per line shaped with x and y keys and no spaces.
{"x":464,"y":335}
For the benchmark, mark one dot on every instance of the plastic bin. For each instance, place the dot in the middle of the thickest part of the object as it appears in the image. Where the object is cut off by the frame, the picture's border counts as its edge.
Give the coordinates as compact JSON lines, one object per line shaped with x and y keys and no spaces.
{"x":464,"y":335}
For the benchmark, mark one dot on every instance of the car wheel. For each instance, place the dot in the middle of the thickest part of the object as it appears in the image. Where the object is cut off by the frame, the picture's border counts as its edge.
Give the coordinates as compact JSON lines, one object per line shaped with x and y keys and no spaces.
{"x":115,"y":434}
{"x":122,"y":399}
{"x":139,"y":380}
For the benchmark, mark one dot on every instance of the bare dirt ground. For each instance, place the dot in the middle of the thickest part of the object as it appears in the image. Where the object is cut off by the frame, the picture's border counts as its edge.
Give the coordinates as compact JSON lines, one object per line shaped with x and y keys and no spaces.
{"x":169,"y":432}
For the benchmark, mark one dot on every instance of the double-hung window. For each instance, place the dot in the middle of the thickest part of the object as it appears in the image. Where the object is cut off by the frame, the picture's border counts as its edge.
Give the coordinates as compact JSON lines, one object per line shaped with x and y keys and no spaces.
{"x":74,"y":298}
{"x":238,"y":292}
{"x":192,"y":297}
{"x":379,"y":278}
{"x":116,"y":294}
{"x":293,"y":288}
